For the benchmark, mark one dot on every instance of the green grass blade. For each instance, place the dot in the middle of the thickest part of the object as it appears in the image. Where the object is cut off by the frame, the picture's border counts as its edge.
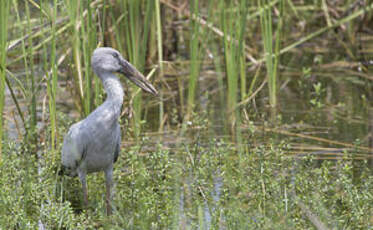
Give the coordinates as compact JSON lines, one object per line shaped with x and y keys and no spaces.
{"x":4,"y":12}
{"x":160,"y":61}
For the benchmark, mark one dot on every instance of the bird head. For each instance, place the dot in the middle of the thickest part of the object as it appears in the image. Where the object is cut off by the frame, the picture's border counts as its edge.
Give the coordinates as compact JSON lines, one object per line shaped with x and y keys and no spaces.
{"x":105,"y":59}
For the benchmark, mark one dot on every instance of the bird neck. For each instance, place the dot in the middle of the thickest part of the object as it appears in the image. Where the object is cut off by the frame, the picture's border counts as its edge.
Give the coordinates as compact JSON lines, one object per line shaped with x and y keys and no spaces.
{"x":113,"y":89}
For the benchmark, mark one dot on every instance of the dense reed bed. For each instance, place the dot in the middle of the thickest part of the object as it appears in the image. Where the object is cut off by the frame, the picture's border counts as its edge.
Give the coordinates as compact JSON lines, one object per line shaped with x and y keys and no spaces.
{"x":263,"y":119}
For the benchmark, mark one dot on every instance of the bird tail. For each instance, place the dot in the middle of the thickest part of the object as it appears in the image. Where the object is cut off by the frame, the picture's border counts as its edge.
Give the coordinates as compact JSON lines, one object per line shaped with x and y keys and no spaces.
{"x":62,"y":171}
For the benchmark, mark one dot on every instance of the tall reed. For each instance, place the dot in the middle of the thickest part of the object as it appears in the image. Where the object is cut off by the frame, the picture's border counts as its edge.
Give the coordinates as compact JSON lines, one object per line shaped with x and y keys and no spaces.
{"x":160,"y":60}
{"x":234,"y":34}
{"x":89,"y":34}
{"x":136,"y":30}
{"x":194,"y":56}
{"x":271,"y":59}
{"x":52,"y":81}
{"x":20,"y":84}
{"x":31,"y":139}
{"x":84,"y":28}
{"x":74,"y":11}
{"x":4,"y":12}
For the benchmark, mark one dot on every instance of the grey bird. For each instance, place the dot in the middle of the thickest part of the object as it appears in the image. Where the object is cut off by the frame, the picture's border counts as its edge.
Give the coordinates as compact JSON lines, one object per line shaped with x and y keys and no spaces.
{"x":93,"y":144}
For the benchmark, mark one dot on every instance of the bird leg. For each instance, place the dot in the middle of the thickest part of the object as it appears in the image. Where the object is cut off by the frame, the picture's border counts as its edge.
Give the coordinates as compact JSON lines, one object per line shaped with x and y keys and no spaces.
{"x":109,"y":184}
{"x":84,"y":187}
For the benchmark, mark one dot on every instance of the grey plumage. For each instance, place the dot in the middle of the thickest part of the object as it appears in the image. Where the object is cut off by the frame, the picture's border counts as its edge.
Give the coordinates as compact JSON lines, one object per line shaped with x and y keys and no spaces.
{"x":93,"y":144}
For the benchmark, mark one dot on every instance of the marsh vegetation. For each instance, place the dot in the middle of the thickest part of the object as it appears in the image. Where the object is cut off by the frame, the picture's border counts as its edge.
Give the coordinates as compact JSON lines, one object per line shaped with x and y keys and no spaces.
{"x":264,"y":118}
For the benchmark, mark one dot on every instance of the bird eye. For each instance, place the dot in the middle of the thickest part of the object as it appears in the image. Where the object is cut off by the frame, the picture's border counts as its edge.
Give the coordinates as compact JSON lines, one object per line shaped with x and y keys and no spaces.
{"x":115,"y":55}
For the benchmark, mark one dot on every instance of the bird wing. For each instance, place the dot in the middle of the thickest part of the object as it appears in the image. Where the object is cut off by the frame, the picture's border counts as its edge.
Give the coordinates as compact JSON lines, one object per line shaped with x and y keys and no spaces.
{"x":73,"y":149}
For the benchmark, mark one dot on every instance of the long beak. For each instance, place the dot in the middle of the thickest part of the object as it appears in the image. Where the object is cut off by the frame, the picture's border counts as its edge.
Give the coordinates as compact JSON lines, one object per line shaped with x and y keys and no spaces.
{"x":136,"y":77}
